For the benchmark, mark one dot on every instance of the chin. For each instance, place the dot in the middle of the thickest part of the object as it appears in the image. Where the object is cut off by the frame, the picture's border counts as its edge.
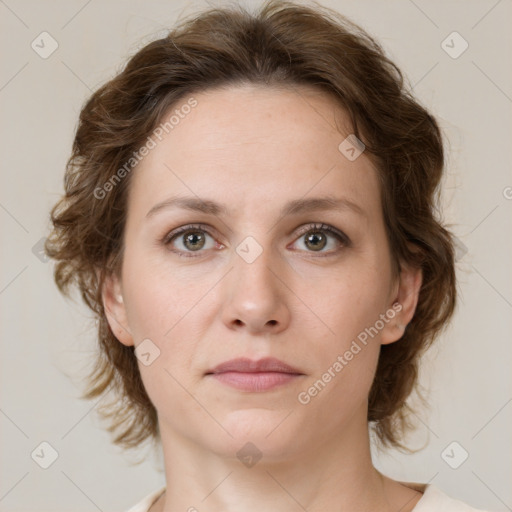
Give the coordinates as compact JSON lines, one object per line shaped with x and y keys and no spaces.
{"x":256,"y":432}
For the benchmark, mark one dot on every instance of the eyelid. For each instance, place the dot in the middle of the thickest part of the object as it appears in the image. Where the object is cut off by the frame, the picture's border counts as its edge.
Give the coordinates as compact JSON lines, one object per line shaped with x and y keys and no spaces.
{"x":183,"y":229}
{"x":316,"y":226}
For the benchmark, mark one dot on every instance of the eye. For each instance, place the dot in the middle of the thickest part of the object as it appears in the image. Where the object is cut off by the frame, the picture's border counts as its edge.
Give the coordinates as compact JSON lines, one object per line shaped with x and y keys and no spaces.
{"x":316,"y":238}
{"x":187,"y":240}
{"x":190,"y":239}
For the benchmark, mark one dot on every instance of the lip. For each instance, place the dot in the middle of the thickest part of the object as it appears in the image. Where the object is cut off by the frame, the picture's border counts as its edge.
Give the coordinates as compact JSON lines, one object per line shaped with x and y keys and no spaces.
{"x":246,"y":365}
{"x":248,"y":375}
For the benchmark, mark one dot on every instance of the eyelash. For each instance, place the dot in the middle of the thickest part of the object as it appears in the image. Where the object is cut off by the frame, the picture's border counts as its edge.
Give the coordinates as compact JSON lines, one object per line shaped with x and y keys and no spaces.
{"x":324,"y":228}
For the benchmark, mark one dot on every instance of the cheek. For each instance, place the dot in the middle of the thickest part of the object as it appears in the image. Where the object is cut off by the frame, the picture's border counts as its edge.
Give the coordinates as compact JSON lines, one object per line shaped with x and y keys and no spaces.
{"x":170,"y":308}
{"x":150,"y":312}
{"x":157,"y":296}
{"x":347,"y":343}
{"x":346,"y":355}
{"x":160,"y":309}
{"x":348,"y":299}
{"x":337,"y":395}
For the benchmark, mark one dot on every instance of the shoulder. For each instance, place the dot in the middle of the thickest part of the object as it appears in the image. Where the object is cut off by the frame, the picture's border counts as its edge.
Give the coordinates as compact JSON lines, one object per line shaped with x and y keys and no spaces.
{"x":434,"y":499}
{"x":145,"y":503}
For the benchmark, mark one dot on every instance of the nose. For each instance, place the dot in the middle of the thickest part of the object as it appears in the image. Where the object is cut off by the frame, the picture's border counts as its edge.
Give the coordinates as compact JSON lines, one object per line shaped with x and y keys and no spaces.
{"x":255,"y":297}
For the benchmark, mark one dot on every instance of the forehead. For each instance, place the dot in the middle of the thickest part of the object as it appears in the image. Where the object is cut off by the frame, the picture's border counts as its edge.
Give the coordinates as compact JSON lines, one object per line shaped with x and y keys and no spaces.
{"x":253,"y":144}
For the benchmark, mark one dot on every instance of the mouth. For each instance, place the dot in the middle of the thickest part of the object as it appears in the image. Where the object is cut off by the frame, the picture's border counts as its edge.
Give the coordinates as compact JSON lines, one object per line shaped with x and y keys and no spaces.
{"x":254,"y":376}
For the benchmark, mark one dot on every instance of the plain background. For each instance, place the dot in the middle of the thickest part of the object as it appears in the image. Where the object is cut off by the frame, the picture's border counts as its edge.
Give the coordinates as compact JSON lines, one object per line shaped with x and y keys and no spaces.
{"x":44,"y":337}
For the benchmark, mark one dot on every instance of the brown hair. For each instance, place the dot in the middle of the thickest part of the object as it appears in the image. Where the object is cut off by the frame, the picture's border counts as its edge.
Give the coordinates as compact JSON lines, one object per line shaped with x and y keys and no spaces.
{"x":284,"y":44}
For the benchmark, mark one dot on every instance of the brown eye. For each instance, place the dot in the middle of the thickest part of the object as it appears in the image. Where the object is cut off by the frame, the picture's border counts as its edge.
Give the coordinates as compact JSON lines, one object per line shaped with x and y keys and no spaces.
{"x":316,"y":241}
{"x":188,"y":240}
{"x":194,"y":240}
{"x":317,"y":237}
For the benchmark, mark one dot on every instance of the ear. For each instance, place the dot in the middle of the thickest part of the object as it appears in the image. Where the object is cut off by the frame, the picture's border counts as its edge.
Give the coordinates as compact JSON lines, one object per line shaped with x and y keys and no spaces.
{"x":115,"y":309}
{"x":404,"y":303}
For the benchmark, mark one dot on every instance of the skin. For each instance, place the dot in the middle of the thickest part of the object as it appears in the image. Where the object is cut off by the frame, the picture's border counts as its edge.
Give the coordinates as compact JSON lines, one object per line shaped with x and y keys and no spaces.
{"x":254,"y":148}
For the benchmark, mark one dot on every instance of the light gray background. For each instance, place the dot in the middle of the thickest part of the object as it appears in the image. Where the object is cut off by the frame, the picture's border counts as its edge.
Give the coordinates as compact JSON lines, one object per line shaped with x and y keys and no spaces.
{"x":44,"y":336}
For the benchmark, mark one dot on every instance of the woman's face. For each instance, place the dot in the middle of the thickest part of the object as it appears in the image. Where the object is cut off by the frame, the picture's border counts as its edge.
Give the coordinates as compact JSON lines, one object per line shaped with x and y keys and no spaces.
{"x":256,"y":273}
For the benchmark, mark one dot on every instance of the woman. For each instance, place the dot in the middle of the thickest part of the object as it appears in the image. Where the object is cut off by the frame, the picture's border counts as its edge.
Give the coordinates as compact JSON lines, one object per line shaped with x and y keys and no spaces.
{"x":249,"y":212}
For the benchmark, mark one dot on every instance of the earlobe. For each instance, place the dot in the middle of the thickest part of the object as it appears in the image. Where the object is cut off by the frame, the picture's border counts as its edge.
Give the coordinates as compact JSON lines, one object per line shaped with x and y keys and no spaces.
{"x":115,"y":310}
{"x":404,"y":303}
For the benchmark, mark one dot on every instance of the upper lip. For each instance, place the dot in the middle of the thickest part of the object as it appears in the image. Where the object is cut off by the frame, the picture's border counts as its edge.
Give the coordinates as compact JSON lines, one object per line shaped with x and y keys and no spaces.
{"x":243,"y":364}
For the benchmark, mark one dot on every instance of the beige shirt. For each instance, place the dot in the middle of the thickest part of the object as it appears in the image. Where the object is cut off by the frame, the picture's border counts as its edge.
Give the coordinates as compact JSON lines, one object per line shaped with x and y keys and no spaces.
{"x":433,"y":500}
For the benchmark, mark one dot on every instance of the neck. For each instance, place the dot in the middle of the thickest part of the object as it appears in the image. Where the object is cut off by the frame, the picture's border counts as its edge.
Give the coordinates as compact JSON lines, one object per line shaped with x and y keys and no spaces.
{"x":326,"y":475}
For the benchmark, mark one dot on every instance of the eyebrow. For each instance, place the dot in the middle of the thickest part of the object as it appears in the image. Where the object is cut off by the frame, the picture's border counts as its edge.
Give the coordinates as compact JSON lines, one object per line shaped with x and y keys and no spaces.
{"x":294,"y":207}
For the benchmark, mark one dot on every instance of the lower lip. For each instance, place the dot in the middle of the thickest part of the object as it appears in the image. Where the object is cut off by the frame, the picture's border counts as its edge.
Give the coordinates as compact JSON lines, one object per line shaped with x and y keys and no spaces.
{"x":257,"y":381}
